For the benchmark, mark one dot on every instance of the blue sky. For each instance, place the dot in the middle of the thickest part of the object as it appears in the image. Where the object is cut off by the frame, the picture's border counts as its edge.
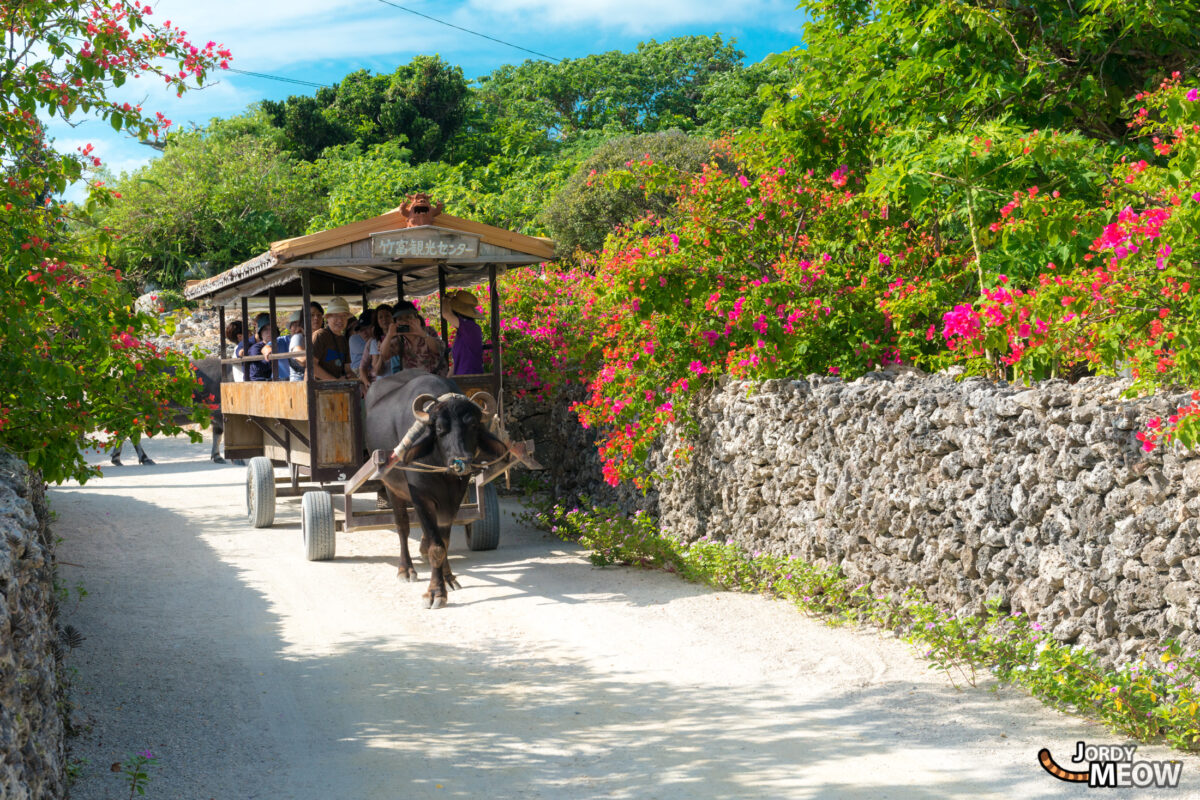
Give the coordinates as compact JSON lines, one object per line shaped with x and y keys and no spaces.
{"x":322,"y":40}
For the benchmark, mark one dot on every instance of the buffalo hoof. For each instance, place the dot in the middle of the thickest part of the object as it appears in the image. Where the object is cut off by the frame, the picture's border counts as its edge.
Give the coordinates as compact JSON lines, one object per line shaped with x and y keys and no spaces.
{"x":427,"y":600}
{"x":439,"y":602}
{"x":452,"y":583}
{"x":407,"y":575}
{"x":146,"y":461}
{"x":116,"y":462}
{"x":218,"y":460}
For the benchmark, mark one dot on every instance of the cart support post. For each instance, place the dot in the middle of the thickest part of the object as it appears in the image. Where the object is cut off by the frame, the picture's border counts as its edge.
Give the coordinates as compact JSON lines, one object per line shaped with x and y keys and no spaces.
{"x":245,"y":329}
{"x":497,"y":363}
{"x":221,"y":337}
{"x":442,"y":303}
{"x":271,"y":306}
{"x":310,"y":386}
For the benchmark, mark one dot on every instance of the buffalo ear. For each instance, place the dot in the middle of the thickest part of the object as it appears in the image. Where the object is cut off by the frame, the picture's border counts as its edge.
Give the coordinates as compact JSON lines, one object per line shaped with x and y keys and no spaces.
{"x":492,"y":447}
{"x":486,"y":402}
{"x":420,"y":446}
{"x":420,"y":407}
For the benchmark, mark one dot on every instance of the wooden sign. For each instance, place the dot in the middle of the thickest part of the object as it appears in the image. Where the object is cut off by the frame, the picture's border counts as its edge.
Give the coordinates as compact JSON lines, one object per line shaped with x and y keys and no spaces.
{"x":426,"y":241}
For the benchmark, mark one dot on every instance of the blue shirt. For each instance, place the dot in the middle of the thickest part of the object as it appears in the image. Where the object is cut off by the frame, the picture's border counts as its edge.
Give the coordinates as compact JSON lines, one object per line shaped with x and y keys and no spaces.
{"x":258,"y":370}
{"x":282,"y":370}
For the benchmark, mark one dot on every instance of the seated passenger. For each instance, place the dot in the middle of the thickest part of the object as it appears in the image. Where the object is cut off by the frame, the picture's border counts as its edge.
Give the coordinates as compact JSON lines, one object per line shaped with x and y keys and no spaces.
{"x":420,"y":347}
{"x":330,"y":350}
{"x":466,"y":355}
{"x":233,"y":335}
{"x":263,"y":346}
{"x":282,"y":344}
{"x":380,"y":354}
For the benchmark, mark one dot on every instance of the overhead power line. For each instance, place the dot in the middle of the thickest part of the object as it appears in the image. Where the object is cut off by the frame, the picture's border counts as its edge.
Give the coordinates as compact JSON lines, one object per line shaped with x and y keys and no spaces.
{"x":278,"y":78}
{"x":468,"y":30}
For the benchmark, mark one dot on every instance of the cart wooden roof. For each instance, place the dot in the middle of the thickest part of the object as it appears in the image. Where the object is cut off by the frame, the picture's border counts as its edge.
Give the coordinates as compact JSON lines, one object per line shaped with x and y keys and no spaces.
{"x":348,"y":260}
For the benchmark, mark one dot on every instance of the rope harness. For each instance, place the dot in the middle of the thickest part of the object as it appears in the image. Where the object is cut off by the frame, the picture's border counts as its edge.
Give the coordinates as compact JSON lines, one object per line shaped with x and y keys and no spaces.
{"x":414,"y":433}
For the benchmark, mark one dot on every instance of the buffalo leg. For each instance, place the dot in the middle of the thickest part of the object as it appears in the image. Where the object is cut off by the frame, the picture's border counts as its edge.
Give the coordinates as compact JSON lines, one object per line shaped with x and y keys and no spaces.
{"x":115,"y":456}
{"x":433,"y":548}
{"x":407,"y":571}
{"x":215,"y":455}
{"x":447,"y":573}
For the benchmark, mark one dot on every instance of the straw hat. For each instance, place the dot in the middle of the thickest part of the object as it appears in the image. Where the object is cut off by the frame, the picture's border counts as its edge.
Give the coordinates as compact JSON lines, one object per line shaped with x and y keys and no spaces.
{"x":337,"y":305}
{"x":463,"y":303}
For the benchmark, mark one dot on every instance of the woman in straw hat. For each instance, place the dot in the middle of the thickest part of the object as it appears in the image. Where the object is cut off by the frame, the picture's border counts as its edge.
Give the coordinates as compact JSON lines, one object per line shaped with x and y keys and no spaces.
{"x":460,"y":312}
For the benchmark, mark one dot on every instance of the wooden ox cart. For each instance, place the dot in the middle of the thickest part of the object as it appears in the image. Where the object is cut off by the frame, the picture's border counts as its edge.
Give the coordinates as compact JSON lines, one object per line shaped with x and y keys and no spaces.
{"x":315,"y":427}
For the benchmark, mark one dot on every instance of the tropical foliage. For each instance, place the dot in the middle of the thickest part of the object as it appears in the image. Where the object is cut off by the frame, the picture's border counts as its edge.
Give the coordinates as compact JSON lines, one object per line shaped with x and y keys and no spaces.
{"x":71,"y":347}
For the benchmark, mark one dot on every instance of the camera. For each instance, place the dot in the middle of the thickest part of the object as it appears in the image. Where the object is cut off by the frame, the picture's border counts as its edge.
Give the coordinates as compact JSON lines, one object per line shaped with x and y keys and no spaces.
{"x":403,"y":328}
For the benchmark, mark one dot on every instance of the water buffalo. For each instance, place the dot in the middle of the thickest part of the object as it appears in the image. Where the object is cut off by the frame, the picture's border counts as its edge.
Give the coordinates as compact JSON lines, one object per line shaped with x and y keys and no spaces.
{"x":433,"y":428}
{"x":208,"y":375}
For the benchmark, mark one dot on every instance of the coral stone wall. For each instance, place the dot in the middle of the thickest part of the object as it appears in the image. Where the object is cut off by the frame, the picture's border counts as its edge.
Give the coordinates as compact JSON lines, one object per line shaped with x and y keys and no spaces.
{"x":32,"y":739}
{"x":966,"y":490}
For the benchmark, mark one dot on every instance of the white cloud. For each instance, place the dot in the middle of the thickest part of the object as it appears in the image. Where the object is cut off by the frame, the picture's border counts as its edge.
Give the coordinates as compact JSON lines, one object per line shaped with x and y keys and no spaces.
{"x":270,"y":34}
{"x":636,"y":17}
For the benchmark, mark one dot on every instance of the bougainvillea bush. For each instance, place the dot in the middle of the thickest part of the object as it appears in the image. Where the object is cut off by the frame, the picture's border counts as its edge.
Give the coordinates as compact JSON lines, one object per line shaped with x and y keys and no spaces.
{"x":1122,"y":298}
{"x":764,"y":269}
{"x":72,"y":350}
{"x":1017,"y":253}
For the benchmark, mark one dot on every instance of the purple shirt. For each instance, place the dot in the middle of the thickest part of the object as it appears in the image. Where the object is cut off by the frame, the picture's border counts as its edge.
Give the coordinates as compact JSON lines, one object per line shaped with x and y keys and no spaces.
{"x":467,"y":352}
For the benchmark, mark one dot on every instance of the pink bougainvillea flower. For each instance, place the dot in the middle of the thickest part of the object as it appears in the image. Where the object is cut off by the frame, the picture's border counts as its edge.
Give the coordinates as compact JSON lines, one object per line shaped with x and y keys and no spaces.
{"x":1193,"y":95}
{"x":885,"y":260}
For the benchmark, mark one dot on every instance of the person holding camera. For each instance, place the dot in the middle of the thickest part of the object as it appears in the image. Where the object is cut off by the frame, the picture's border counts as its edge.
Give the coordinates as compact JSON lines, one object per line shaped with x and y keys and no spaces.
{"x":418,"y":346}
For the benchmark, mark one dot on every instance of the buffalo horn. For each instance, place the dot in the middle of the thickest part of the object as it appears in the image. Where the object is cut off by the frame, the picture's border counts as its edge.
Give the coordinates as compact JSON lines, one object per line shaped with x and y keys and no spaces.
{"x":486,"y":402}
{"x":420,"y":407}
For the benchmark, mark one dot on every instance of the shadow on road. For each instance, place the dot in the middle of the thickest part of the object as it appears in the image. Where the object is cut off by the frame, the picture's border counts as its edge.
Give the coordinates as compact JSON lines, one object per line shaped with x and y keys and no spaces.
{"x":186,"y":657}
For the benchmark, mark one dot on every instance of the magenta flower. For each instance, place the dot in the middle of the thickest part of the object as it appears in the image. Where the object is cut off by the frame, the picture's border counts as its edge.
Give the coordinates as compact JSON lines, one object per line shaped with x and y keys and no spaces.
{"x":885,"y":260}
{"x":697,"y":367}
{"x":1193,"y":95}
{"x":743,"y":181}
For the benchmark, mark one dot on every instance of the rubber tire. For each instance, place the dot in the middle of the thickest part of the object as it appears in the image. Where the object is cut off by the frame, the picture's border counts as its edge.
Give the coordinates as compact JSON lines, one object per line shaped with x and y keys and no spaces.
{"x":260,"y":492}
{"x":316,"y":524}
{"x":485,"y":533}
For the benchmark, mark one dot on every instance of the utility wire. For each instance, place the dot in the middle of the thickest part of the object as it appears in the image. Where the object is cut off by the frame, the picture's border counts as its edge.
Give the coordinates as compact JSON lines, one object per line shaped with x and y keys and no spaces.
{"x":468,"y":30}
{"x":278,"y":78}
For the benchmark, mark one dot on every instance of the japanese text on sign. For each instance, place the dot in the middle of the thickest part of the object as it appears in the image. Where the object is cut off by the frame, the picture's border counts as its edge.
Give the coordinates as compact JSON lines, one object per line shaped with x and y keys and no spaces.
{"x":424,"y":244}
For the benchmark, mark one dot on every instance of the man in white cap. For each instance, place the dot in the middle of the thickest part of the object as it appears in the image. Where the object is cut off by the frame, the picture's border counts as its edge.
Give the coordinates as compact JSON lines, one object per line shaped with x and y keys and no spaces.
{"x":330,"y":350}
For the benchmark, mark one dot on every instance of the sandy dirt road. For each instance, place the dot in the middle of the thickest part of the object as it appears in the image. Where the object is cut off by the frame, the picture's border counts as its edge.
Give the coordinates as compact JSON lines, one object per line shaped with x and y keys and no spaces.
{"x":252,"y":673}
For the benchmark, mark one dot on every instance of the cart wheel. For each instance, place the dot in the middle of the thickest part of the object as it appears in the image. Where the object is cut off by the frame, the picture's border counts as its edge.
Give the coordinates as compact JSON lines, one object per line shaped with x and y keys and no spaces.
{"x":485,"y":534}
{"x":260,"y":492}
{"x":316,"y":523}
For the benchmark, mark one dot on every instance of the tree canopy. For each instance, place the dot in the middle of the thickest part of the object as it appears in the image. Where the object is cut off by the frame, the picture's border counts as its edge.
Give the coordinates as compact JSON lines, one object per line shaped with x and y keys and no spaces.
{"x":216,"y":197}
{"x":423,"y":104}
